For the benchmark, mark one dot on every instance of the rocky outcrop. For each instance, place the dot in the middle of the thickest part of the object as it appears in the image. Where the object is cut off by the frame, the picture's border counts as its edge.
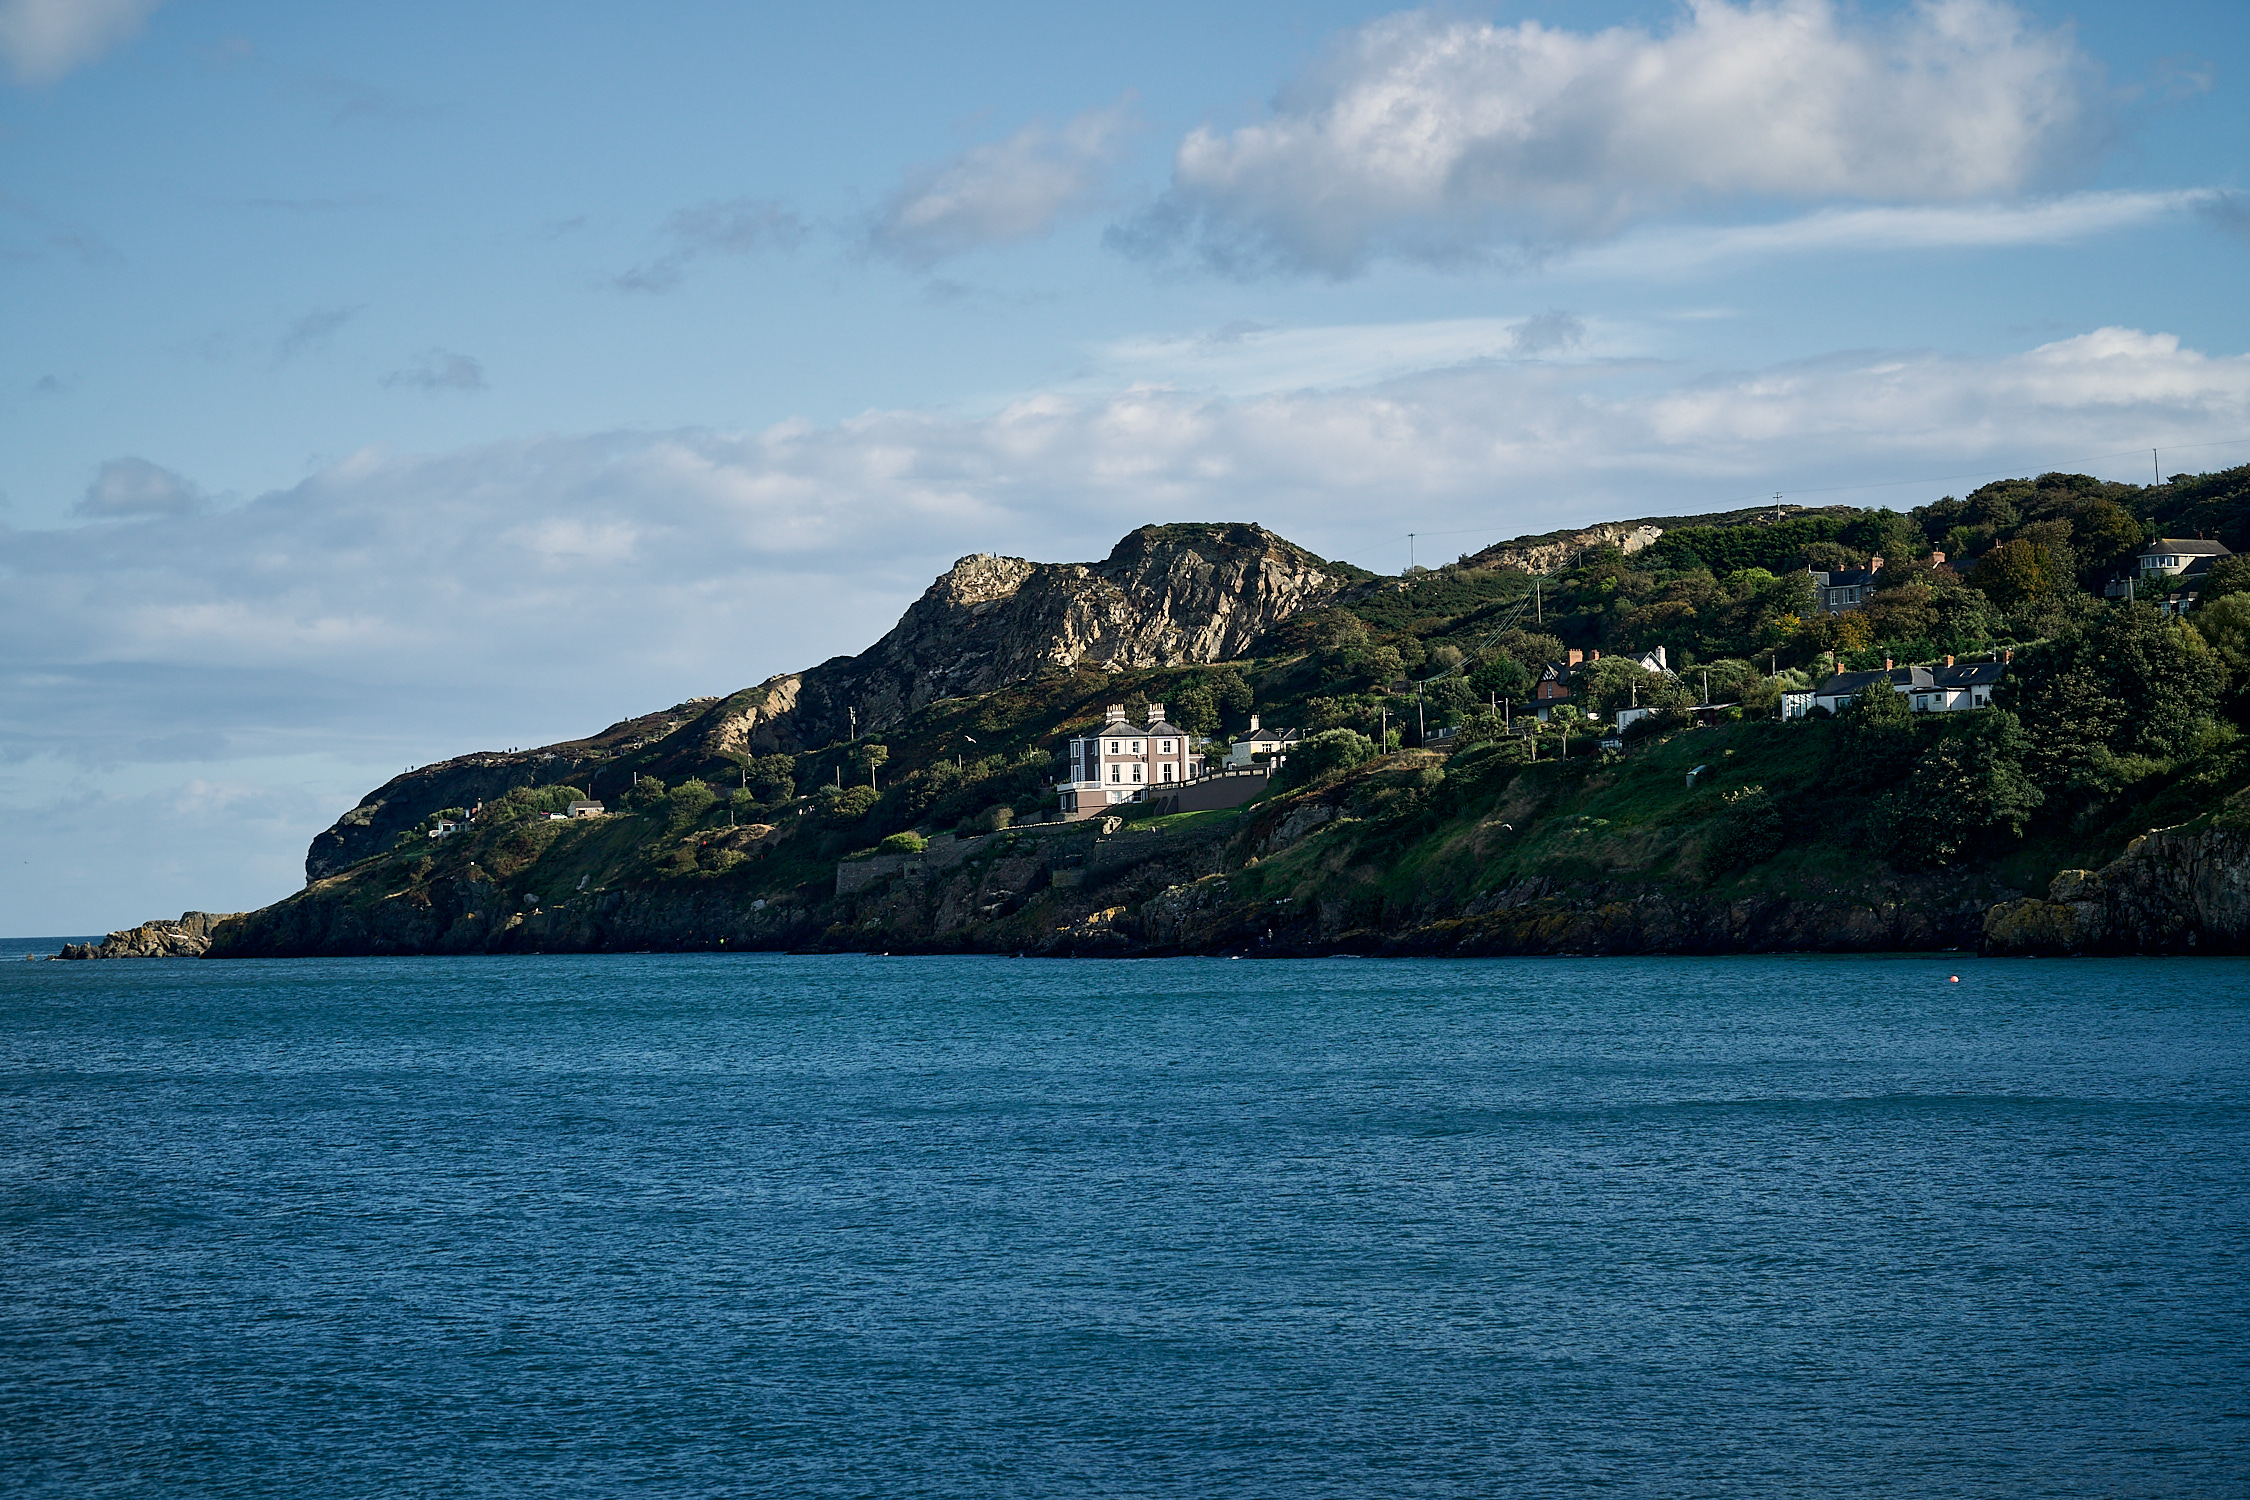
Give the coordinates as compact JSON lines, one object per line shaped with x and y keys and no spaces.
{"x":2170,"y":892}
{"x":189,"y":937}
{"x":1165,"y":596}
{"x":1548,"y":553}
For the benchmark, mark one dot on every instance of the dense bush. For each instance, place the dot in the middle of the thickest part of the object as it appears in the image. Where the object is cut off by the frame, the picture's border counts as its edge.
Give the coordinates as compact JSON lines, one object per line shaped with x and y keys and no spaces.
{"x":1965,"y":790}
{"x":1331,"y":750}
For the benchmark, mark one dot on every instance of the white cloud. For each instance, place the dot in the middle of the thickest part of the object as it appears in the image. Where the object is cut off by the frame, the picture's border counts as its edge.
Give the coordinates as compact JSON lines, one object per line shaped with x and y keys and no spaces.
{"x":1010,"y":190}
{"x":1241,"y":360}
{"x":44,"y":39}
{"x":1446,"y":139}
{"x":127,"y":487}
{"x":1674,"y":250}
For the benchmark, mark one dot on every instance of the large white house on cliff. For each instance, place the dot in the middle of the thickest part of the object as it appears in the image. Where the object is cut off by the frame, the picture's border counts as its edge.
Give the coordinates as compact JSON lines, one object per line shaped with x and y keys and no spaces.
{"x":1122,"y":761}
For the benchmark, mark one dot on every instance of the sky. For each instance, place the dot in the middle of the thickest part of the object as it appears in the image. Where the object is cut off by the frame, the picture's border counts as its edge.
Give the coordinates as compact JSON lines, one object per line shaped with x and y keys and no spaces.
{"x":384,"y":383}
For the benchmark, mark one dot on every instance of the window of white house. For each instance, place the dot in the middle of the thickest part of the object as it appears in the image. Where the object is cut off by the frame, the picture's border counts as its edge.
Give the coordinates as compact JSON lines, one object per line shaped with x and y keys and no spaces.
{"x":1167,"y":747}
{"x":1113,"y":747}
{"x":1136,"y":747}
{"x":1136,"y":773}
{"x":1115,"y":774}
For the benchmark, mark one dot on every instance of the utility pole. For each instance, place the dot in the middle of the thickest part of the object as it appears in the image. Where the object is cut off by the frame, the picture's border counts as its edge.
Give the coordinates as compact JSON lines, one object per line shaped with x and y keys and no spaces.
{"x":1383,"y":744}
{"x":1538,"y":610}
{"x":1410,"y":548}
{"x":2155,"y":473}
{"x":855,"y":721}
{"x":1421,"y":725}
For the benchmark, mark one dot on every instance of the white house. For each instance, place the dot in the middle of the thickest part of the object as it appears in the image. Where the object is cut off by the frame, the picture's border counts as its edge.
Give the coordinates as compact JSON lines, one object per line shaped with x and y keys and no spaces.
{"x":586,"y":809}
{"x":1256,"y":741}
{"x":443,"y":828}
{"x":1122,"y":760}
{"x":2170,"y":556}
{"x":1947,"y":688}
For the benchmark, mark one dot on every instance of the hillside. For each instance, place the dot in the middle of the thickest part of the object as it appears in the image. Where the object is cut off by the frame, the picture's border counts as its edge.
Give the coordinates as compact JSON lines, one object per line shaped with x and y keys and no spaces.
{"x":732,"y":816}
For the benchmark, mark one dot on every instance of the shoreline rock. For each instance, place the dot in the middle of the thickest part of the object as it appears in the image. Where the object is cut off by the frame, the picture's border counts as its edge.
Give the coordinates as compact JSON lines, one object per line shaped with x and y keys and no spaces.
{"x":189,"y":937}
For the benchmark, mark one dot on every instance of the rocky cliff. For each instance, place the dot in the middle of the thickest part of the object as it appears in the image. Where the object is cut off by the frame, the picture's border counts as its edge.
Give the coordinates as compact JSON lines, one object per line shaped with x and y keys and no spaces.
{"x":2170,"y":892}
{"x":1165,"y":596}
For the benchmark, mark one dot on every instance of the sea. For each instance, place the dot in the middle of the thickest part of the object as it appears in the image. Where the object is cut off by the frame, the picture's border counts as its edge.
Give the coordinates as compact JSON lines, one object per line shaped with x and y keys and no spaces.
{"x":769,"y":1225}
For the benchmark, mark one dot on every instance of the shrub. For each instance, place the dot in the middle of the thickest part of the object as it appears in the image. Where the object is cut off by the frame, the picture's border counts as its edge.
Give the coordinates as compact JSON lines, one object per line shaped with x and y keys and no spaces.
{"x":850,"y":806}
{"x":903,"y":843}
{"x":690,"y":800}
{"x":1750,"y":834}
{"x":1332,"y":750}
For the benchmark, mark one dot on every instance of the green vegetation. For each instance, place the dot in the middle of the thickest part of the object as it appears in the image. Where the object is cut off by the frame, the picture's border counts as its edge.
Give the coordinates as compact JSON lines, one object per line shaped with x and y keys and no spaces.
{"x":2114,"y":718}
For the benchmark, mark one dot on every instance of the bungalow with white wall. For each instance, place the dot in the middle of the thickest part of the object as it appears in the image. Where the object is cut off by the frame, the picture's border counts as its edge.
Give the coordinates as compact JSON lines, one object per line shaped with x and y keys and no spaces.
{"x":1947,"y":688}
{"x":1256,"y":741}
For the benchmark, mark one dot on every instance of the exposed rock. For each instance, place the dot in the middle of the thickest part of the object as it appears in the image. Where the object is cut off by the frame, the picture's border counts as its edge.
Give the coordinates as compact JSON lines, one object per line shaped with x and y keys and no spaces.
{"x":189,"y":937}
{"x":2168,"y":893}
{"x":1546,"y":554}
{"x":1165,"y":595}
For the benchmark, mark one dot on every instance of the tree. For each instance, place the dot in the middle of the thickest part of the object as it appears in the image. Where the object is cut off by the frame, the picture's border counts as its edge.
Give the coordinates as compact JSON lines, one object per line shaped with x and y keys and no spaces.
{"x":772,"y":778}
{"x":2224,"y":624}
{"x":1969,"y":786}
{"x":1499,"y":675}
{"x":2107,"y":537}
{"x":1875,"y":740}
{"x":1194,"y":708}
{"x":1330,"y":750}
{"x":1233,"y":694}
{"x":870,"y":758}
{"x":2229,"y":575}
{"x":690,"y":800}
{"x":850,"y":805}
{"x":2127,"y":682}
{"x":2014,"y":572}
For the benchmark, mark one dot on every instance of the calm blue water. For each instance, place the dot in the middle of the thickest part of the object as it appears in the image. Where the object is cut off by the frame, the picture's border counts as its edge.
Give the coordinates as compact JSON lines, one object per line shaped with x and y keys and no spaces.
{"x":752,"y":1225}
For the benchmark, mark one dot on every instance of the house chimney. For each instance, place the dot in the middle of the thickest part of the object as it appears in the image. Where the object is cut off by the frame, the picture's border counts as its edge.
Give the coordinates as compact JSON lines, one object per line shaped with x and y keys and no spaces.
{"x":1573,"y":657}
{"x":1156,"y":713}
{"x":1949,"y":661}
{"x":1115,"y":713}
{"x":2008,"y":655}
{"x":1593,"y":656}
{"x":1253,"y":723}
{"x":1888,"y":664}
{"x":1937,"y":559}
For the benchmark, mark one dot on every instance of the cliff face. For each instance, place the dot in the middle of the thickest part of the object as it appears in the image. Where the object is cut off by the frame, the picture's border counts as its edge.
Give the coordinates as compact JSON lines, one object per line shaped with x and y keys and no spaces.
{"x":2168,"y":893}
{"x":1165,"y":596}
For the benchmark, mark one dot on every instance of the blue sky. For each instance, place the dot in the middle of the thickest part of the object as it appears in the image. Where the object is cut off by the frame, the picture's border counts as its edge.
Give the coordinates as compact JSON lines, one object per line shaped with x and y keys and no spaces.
{"x":383,"y":383}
